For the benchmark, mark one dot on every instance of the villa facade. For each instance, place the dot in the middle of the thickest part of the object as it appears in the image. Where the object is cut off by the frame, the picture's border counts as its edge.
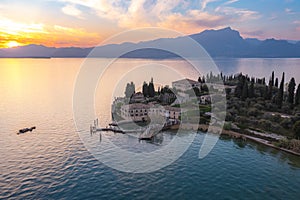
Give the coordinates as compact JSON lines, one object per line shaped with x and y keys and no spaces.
{"x":142,"y":112}
{"x":135,"y":112}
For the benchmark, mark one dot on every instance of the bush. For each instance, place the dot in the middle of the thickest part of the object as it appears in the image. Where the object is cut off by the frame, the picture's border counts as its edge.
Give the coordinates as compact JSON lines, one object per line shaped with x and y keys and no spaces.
{"x":265,"y":124}
{"x":253,"y":112}
{"x":276,"y":118}
{"x":233,"y":111}
{"x":229,"y":116}
{"x":258,"y":106}
{"x":286,"y":123}
{"x":293,"y":145}
{"x":243,"y":111}
{"x":286,"y":108}
{"x":242,"y":120}
{"x":296,"y":129}
{"x":227,"y":126}
{"x":269,"y":106}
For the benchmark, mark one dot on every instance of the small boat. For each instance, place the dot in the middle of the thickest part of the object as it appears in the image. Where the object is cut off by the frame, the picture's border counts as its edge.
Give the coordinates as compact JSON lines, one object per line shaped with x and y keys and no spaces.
{"x":24,"y":130}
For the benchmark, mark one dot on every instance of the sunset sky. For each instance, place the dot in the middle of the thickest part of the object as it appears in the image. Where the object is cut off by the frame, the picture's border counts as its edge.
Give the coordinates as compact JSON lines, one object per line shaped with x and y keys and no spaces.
{"x":85,"y":23}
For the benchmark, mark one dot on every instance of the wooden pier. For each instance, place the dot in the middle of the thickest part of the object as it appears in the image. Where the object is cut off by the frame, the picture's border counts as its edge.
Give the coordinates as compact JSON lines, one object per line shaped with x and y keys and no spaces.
{"x":145,"y":133}
{"x":113,"y":127}
{"x":109,"y":129}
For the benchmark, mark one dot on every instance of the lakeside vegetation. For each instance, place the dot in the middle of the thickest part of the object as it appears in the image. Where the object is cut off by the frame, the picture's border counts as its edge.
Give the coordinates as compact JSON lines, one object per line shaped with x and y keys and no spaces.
{"x":255,"y":106}
{"x":267,"y":109}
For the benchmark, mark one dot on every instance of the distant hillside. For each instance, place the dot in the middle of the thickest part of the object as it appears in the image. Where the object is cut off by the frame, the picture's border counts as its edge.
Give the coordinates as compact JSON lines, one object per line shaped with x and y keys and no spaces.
{"x":223,"y":43}
{"x":218,"y":43}
{"x":27,"y":51}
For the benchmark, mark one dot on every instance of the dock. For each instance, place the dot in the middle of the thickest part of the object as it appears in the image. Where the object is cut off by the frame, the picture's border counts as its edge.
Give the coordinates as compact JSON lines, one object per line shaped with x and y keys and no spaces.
{"x":113,"y":127}
{"x":109,"y":129}
{"x":145,"y":133}
{"x":150,"y":132}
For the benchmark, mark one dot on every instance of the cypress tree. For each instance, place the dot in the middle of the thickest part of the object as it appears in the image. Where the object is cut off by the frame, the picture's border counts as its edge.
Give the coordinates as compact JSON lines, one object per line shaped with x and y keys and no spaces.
{"x":199,"y":80}
{"x":280,"y":92}
{"x":271,"y":84}
{"x":245,"y":91}
{"x":266,"y":93}
{"x":291,"y":91}
{"x":145,"y":89}
{"x":151,"y":90}
{"x":264,"y":81}
{"x":297,"y":97}
{"x":251,"y":90}
{"x":272,"y":79}
{"x":276,"y":83}
{"x":203,"y":79}
{"x":240,"y":86}
{"x":270,"y":92}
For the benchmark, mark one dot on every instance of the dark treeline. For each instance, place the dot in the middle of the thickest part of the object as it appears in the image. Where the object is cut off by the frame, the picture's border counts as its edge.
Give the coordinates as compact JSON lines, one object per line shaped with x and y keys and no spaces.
{"x":164,"y":94}
{"x":271,"y":105}
{"x":251,"y":87}
{"x":148,"y":89}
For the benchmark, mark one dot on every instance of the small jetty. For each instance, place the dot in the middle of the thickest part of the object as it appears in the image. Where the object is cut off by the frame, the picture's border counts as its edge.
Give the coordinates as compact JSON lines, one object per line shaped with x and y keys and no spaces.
{"x":109,"y":129}
{"x":145,"y":133}
{"x":150,"y":132}
{"x":112,"y":127}
{"x":25,"y":130}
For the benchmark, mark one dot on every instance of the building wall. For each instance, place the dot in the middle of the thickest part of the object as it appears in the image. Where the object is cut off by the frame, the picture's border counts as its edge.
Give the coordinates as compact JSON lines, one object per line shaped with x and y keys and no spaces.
{"x":135,"y":112}
{"x":141,"y":112}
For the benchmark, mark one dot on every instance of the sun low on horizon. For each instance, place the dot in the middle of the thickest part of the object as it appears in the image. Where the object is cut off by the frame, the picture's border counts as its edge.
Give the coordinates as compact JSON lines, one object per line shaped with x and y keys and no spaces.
{"x":12,"y":44}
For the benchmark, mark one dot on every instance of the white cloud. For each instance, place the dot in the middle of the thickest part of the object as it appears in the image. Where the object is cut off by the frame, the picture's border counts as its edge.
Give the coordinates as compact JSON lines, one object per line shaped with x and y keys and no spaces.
{"x":103,"y":8}
{"x":205,"y":2}
{"x":242,"y":14}
{"x":289,"y":11}
{"x":72,"y":11}
{"x":230,"y":2}
{"x":9,"y":26}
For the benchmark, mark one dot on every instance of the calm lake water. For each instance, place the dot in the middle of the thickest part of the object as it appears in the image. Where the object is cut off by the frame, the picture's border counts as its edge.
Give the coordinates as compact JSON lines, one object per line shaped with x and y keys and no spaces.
{"x":53,"y":163}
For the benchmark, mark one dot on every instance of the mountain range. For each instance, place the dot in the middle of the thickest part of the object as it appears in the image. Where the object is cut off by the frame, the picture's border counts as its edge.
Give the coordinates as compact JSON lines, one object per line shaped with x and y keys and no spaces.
{"x":218,"y":43}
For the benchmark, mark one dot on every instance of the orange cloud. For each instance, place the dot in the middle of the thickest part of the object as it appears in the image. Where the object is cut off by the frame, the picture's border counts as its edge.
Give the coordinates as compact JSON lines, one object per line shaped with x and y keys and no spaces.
{"x":193,"y":21}
{"x":54,"y":36}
